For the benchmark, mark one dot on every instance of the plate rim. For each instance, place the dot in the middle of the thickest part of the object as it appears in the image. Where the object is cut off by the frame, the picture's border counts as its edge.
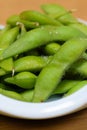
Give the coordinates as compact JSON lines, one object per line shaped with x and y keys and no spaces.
{"x":45,"y":110}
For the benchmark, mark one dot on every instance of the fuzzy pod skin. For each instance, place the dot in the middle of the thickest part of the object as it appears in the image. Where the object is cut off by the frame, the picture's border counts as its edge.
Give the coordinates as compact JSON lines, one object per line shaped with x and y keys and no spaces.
{"x":42,"y":19}
{"x":24,"y":80}
{"x":4,"y":30}
{"x":28,"y":95}
{"x":11,"y":94}
{"x":62,"y":88}
{"x":7,"y":64}
{"x":15,"y":19}
{"x":53,"y":9}
{"x":29,"y":25}
{"x":59,"y":13}
{"x":2,"y":72}
{"x":82,"y":27}
{"x":27,"y":80}
{"x":67,"y":19}
{"x":77,"y":87}
{"x":40,"y":36}
{"x":65,"y":86}
{"x":80,"y":67}
{"x":8,"y":38}
{"x":51,"y":75}
{"x":51,"y":48}
{"x":31,"y":63}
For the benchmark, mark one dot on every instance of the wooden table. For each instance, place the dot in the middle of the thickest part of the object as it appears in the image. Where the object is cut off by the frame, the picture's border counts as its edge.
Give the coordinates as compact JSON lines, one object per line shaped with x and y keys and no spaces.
{"x":76,"y":121}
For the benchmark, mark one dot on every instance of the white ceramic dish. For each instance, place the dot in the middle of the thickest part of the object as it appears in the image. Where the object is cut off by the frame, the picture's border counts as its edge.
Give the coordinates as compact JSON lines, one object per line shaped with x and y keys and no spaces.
{"x":51,"y":109}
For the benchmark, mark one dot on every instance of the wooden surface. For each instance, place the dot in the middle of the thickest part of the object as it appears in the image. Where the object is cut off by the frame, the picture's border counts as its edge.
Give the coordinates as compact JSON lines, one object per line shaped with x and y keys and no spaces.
{"x":76,"y":121}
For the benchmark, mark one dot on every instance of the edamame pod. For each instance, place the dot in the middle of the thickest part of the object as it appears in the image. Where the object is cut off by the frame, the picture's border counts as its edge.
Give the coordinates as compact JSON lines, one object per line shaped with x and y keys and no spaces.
{"x":64,"y":86}
{"x":8,"y":38}
{"x":29,"y":25}
{"x":82,"y":27}
{"x":59,"y":13}
{"x":80,"y":67}
{"x":53,"y":9}
{"x":67,"y":19}
{"x":11,"y":94}
{"x":7,"y":64}
{"x":14,"y":19}
{"x":51,"y":48}
{"x":4,"y":30}
{"x":76,"y":87}
{"x":28,"y":95}
{"x":2,"y":72}
{"x":51,"y":75}
{"x":24,"y":80}
{"x":42,"y":19}
{"x":41,"y":36}
{"x":31,"y":63}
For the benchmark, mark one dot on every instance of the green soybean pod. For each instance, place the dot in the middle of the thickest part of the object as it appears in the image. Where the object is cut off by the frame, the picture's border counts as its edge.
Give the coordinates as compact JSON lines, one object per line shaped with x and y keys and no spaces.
{"x":13,"y":19}
{"x":24,"y":80}
{"x":8,"y":38}
{"x":51,"y":48}
{"x":31,"y":63}
{"x":2,"y":72}
{"x":61,"y":61}
{"x":67,"y":19}
{"x":11,"y":94}
{"x":4,"y":30}
{"x":40,"y":36}
{"x":7,"y":64}
{"x":82,"y":27}
{"x":64,"y":86}
{"x":28,"y":95}
{"x":42,"y":19}
{"x":80,"y":67}
{"x":77,"y":87}
{"x":29,"y":25}
{"x":53,"y":9}
{"x":59,"y":13}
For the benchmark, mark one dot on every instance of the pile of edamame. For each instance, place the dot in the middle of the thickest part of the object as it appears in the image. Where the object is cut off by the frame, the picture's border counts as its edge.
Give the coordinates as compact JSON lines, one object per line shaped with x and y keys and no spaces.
{"x":42,"y":54}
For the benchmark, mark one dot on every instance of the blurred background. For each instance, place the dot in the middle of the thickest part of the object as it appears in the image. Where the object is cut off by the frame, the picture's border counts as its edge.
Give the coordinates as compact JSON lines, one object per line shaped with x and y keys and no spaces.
{"x":9,"y":7}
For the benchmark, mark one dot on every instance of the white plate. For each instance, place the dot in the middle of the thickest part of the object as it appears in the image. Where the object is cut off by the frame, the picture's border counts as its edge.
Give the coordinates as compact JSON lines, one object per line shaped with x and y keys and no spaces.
{"x":51,"y":109}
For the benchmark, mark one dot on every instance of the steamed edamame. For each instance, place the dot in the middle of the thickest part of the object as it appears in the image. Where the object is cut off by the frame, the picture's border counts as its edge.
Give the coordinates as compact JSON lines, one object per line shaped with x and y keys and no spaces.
{"x":38,"y":51}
